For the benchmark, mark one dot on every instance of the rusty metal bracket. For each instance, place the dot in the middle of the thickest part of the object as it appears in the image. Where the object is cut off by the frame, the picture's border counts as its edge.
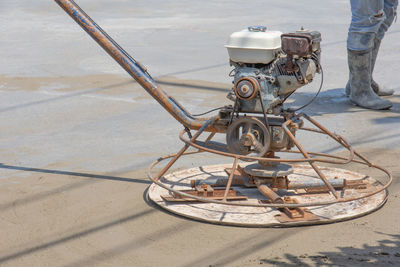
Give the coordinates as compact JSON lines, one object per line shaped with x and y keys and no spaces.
{"x":295,"y":214}
{"x":292,"y":214}
{"x":241,"y":177}
{"x":205,"y":191}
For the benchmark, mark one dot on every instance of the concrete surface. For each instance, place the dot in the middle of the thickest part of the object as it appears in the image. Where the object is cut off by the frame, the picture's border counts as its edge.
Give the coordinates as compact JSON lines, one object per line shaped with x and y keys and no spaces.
{"x":76,"y":135}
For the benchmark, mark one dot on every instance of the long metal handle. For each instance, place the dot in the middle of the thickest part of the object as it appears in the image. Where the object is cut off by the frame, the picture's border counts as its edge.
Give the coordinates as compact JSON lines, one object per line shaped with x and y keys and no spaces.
{"x":131,"y":66}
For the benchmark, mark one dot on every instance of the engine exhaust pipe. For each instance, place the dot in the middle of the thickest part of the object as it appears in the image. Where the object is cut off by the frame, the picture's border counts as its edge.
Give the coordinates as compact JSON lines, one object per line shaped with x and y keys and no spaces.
{"x":134,"y":68}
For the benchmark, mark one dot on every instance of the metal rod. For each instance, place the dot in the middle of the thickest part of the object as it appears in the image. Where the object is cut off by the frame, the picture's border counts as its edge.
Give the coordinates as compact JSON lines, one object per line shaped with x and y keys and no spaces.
{"x":313,"y":165}
{"x":269,"y":193}
{"x":336,"y":183}
{"x":183,"y":149}
{"x":171,"y":162}
{"x":228,"y":185}
{"x":130,"y":65}
{"x":209,"y":138}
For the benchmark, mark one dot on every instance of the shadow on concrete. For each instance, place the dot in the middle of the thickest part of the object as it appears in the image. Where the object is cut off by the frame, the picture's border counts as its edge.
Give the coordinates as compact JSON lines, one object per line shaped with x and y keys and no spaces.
{"x":224,"y":256}
{"x":79,"y":174}
{"x":386,"y":253}
{"x":334,"y":101}
{"x":242,"y":248}
{"x":42,"y":195}
{"x":392,"y":119}
{"x":77,"y":235}
{"x":130,"y":246}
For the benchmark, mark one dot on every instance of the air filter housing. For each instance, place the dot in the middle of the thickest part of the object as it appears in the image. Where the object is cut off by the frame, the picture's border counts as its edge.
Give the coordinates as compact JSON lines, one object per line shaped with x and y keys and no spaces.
{"x":254,"y":45}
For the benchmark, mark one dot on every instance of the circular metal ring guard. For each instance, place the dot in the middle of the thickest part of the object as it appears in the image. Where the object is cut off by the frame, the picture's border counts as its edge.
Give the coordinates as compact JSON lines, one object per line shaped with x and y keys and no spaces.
{"x":321,"y":157}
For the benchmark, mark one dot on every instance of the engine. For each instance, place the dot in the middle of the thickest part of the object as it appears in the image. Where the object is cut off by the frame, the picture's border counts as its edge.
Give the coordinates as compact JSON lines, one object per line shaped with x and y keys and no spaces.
{"x":269,"y":66}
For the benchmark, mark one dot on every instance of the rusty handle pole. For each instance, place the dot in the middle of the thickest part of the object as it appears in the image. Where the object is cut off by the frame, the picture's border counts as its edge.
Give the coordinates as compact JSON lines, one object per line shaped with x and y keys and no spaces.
{"x":137,"y":71}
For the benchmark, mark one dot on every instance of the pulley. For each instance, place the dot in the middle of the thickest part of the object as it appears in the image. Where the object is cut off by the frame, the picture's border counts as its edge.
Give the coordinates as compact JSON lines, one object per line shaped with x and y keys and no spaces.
{"x":246,"y":88}
{"x":248,"y":135}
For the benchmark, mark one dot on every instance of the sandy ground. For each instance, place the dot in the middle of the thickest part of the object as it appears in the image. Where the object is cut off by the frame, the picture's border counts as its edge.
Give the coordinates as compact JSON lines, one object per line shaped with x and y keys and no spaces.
{"x":77,"y":135}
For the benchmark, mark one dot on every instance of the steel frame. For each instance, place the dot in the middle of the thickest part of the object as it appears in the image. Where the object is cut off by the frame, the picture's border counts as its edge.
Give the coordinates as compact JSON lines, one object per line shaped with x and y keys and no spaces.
{"x":320,"y":157}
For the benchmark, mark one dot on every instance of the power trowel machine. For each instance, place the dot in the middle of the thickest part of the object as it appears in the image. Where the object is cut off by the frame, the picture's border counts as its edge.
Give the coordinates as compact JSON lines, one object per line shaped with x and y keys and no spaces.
{"x":263,"y":186}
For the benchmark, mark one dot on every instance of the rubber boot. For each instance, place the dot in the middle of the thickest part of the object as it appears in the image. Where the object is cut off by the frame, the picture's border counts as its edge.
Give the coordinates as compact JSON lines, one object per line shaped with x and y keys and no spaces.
{"x":347,"y":89}
{"x":362,"y":93}
{"x":379,"y":90}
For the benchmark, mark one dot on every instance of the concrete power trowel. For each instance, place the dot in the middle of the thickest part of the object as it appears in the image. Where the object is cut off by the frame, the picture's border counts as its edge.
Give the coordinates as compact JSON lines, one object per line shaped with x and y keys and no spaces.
{"x":273,"y":180}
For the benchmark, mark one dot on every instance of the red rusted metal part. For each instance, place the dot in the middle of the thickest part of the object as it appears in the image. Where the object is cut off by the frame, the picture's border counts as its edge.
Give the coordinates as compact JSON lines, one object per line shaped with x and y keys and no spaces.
{"x":135,"y":69}
{"x":292,"y":214}
{"x":295,"y":214}
{"x":269,"y":193}
{"x":205,"y":191}
{"x":296,"y":44}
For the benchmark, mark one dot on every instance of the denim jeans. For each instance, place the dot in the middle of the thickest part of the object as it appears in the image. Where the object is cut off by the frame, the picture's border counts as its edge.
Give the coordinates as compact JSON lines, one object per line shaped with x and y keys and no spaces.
{"x":370,"y":19}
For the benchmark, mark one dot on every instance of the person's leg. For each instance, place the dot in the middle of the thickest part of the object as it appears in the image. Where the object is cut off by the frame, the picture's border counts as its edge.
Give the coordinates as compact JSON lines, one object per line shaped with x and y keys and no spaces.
{"x":390,"y":10}
{"x":367,"y":17}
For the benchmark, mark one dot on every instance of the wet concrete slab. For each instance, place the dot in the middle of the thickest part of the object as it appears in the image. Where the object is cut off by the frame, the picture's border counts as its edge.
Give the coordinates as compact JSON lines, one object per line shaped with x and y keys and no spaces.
{"x":77,"y":134}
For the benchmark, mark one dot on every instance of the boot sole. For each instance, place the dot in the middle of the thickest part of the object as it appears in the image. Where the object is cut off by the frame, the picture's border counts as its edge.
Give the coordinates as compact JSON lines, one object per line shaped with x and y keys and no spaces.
{"x":374,"y":107}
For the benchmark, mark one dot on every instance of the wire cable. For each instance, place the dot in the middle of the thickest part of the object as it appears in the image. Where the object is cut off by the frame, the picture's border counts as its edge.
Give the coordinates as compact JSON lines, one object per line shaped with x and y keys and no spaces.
{"x":316,"y":95}
{"x":201,"y":114}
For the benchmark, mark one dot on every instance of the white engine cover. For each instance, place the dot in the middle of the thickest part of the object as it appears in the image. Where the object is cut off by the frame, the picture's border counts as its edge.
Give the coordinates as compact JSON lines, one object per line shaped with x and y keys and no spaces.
{"x":254,"y":45}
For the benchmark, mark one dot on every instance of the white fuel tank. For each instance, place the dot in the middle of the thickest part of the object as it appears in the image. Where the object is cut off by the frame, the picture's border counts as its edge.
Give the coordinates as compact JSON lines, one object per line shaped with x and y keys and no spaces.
{"x":254,"y":45}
